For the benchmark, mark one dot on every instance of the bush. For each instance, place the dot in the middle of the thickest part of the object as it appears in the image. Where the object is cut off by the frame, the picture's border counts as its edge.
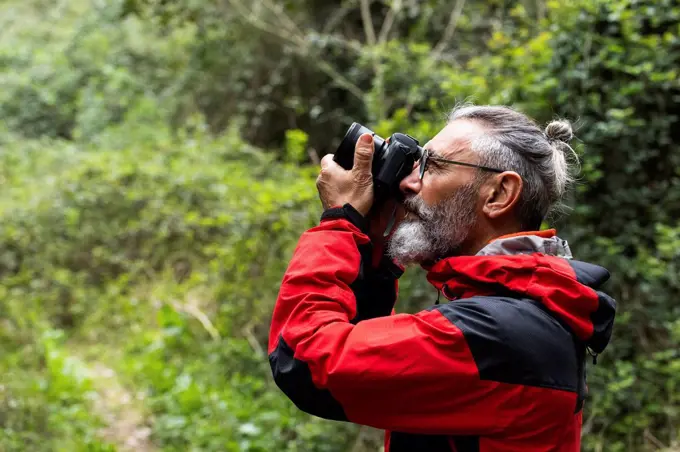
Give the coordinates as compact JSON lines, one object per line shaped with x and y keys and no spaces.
{"x":178,"y":247}
{"x":140,"y":231}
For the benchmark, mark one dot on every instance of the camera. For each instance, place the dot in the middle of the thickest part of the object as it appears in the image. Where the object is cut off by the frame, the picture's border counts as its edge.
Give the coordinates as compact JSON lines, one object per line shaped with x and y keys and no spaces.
{"x":393,"y":159}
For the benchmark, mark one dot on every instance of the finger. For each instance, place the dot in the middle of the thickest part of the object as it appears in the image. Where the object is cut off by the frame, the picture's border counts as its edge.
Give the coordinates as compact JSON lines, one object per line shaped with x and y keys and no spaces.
{"x":326,"y":161}
{"x":322,"y":188}
{"x":363,"y":154}
{"x":330,"y":167}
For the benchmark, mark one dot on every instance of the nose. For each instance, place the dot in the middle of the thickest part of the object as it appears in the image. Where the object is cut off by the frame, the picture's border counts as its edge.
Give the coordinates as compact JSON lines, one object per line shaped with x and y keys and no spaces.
{"x":411,"y":184}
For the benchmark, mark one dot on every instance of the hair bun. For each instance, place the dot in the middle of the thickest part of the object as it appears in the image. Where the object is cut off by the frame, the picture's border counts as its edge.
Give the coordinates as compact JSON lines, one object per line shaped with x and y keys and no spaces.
{"x":559,"y":131}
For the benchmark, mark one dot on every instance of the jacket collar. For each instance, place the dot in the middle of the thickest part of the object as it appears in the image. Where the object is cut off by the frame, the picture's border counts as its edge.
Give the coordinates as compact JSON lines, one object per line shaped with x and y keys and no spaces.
{"x":544,"y":242}
{"x":539,"y":266}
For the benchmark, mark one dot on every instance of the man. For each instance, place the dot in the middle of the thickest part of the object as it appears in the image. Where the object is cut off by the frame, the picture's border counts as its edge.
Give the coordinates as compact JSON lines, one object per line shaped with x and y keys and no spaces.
{"x":497,"y":366}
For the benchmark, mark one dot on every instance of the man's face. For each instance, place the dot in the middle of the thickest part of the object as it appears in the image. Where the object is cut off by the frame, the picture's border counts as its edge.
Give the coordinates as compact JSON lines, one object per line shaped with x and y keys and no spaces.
{"x":442,"y":208}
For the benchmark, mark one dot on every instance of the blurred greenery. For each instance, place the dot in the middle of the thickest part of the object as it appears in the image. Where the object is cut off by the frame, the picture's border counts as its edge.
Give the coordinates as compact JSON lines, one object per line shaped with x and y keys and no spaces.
{"x":158,"y":157}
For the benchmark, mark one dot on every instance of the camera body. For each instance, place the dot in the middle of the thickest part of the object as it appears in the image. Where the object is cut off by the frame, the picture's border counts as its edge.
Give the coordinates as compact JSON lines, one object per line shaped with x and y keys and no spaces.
{"x":393,"y":159}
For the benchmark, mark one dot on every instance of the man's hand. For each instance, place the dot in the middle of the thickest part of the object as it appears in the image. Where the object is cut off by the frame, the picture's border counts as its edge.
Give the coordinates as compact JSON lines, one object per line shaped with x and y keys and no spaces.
{"x":338,"y":186}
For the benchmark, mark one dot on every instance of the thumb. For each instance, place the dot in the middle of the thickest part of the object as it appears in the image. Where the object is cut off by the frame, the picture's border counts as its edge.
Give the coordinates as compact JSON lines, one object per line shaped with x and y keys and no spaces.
{"x":363,"y":154}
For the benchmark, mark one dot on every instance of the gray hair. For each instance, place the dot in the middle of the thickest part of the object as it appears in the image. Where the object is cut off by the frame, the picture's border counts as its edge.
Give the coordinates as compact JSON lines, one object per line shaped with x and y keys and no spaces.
{"x":514,"y":142}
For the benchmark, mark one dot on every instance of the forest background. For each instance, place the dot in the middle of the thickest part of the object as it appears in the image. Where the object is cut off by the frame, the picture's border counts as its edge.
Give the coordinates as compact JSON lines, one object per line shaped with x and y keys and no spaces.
{"x":157,"y":165}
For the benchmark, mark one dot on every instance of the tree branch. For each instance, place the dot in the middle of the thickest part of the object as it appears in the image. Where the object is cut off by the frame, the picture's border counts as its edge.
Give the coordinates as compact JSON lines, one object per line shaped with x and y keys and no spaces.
{"x":337,"y":17}
{"x":540,"y":10}
{"x":389,"y":21}
{"x":358,"y":441}
{"x":652,"y":439}
{"x":199,"y":315}
{"x":368,"y":22}
{"x":296,"y":38}
{"x":588,"y":424}
{"x":341,"y":80}
{"x":252,"y":340}
{"x":450,"y":29}
{"x":281,"y":14}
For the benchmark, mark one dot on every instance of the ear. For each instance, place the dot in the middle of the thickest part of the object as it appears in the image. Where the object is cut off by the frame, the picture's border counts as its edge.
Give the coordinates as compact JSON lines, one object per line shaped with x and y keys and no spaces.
{"x":502,"y":194}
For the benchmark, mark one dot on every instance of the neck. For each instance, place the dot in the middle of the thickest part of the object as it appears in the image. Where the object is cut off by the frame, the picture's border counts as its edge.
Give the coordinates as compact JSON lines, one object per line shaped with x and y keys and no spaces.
{"x":485,"y":235}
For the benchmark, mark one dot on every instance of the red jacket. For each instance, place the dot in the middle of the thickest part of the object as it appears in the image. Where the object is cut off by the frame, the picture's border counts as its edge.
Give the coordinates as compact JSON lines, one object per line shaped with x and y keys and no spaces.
{"x":498,"y":366}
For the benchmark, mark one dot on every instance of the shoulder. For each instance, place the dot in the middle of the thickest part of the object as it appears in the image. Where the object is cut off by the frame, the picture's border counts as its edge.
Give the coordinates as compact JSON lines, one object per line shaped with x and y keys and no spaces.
{"x":515,"y":341}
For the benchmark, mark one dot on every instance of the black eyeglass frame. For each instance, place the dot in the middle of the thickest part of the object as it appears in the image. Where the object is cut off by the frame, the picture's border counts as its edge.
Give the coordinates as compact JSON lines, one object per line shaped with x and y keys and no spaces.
{"x":426,"y":156}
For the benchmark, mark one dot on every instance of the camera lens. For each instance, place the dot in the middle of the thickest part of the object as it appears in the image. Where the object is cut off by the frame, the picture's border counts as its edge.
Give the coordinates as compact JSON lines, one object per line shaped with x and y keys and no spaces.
{"x":345,"y":153}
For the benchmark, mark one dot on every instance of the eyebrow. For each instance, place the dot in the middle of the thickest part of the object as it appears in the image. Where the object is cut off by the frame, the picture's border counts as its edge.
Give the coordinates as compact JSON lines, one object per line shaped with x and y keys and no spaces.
{"x":434,"y":153}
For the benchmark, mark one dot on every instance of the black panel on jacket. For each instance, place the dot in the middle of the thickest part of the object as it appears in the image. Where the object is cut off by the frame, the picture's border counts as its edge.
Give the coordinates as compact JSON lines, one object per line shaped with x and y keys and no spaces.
{"x":603,"y":322}
{"x":374,"y":288}
{"x":514,"y":341}
{"x":589,"y":274}
{"x":408,"y":442}
{"x":603,"y":318}
{"x":295,"y":380}
{"x":466,"y":444}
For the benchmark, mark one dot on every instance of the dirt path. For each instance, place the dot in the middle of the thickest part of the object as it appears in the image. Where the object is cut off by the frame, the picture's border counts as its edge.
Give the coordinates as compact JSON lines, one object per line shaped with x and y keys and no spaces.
{"x":120,"y":409}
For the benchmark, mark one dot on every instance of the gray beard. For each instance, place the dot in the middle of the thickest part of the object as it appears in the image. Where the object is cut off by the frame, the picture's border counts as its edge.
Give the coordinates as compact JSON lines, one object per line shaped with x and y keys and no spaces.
{"x":437,"y":231}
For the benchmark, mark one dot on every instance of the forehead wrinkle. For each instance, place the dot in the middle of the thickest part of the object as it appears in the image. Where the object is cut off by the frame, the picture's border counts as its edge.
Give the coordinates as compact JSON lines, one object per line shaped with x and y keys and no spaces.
{"x":459,"y":147}
{"x":455,"y":140}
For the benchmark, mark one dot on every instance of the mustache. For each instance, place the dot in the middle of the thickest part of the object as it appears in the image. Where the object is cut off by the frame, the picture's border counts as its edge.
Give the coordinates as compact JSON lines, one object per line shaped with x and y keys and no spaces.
{"x":416,"y":206}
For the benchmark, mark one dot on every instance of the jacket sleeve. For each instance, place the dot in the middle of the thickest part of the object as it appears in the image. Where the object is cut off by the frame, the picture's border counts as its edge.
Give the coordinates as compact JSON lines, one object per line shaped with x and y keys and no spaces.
{"x":402,"y":372}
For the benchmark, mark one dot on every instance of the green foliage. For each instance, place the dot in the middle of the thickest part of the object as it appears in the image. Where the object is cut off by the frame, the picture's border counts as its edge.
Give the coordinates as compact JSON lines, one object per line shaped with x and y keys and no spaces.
{"x":148,"y":244}
{"x":144,"y":228}
{"x":74,"y":68}
{"x":296,"y":144}
{"x":44,"y":395}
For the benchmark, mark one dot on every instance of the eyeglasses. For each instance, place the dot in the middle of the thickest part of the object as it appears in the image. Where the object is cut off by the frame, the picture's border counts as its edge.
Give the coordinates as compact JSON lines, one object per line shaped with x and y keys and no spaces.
{"x":426,"y":157}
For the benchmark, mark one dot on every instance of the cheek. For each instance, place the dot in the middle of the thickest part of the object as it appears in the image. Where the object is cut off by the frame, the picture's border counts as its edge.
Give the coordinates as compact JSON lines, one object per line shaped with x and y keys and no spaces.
{"x":438,"y":188}
{"x":432,"y":191}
